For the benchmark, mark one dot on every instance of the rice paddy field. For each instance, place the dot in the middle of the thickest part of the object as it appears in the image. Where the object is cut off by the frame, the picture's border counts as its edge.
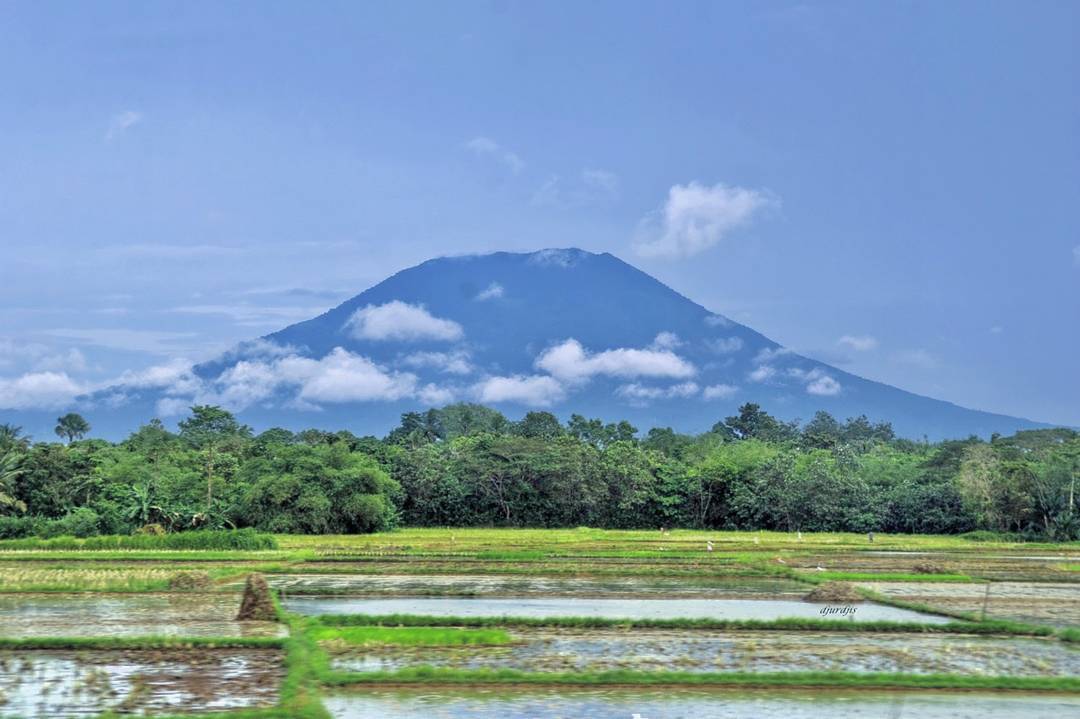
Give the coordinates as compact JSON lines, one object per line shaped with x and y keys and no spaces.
{"x":544,"y":624}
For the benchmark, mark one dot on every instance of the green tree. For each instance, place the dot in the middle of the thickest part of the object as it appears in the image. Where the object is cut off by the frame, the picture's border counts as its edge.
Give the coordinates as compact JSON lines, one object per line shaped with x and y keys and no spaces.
{"x":219,"y":437}
{"x":71,"y":427}
{"x":11,"y":468}
{"x":753,"y":422}
{"x":12,"y":438}
{"x":539,"y":425}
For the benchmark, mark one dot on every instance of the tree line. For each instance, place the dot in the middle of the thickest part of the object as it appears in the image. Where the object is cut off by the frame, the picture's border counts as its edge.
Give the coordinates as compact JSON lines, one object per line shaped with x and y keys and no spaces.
{"x":469,"y":465}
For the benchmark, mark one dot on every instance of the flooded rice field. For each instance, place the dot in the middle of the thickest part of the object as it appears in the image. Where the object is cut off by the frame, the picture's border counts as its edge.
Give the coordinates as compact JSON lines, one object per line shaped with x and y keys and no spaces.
{"x":558,"y":650}
{"x":996,"y":567}
{"x":51,"y":683}
{"x":511,"y":585}
{"x":1040,"y":603}
{"x":764,"y":609}
{"x":86,"y":615}
{"x":622,"y":703}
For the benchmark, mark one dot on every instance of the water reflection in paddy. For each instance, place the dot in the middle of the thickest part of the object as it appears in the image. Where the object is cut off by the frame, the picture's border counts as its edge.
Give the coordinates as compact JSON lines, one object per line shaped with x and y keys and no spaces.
{"x":51,"y":683}
{"x":86,"y":615}
{"x":619,"y":703}
{"x":651,"y":650}
{"x":764,"y":609}
{"x":516,"y":585}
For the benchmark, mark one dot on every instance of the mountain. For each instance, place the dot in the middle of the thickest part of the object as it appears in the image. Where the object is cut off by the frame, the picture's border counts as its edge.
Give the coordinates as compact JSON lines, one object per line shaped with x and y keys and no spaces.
{"x":564,"y":330}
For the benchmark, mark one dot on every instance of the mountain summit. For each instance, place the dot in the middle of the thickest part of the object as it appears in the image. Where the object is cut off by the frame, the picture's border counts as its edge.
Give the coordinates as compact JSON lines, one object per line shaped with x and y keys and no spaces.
{"x":562,"y":329}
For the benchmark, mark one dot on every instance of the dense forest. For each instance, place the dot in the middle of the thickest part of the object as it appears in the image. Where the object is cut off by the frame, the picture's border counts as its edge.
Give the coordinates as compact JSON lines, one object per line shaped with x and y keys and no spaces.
{"x":470,"y":465}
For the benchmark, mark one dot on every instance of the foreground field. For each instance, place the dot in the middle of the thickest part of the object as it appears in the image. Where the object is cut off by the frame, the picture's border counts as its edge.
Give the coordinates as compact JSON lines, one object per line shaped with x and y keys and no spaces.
{"x":477,"y":616}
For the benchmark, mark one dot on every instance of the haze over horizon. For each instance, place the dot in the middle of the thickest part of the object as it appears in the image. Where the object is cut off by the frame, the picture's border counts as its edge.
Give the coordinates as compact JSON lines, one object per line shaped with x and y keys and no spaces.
{"x":845,"y":179}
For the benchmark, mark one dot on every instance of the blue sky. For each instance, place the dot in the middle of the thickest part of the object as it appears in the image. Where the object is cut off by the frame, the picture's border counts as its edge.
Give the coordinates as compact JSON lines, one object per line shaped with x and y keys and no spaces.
{"x":889,"y":187}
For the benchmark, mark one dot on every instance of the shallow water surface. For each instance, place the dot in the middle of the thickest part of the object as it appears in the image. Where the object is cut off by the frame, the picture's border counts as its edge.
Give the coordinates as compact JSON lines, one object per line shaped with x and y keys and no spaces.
{"x":604,"y":608}
{"x":85,"y":615}
{"x":514,"y":585}
{"x":51,"y":683}
{"x":1036,"y":602}
{"x":618,"y":703}
{"x":651,"y":650}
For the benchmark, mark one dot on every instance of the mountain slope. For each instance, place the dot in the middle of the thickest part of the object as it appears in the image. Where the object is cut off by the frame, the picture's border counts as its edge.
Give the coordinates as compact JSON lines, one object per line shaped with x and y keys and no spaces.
{"x":565,"y":330}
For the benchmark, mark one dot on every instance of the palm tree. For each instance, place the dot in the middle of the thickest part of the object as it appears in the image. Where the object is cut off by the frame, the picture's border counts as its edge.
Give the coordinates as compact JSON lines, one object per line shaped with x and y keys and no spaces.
{"x":72,"y":426}
{"x":12,"y":437}
{"x":10,"y":470}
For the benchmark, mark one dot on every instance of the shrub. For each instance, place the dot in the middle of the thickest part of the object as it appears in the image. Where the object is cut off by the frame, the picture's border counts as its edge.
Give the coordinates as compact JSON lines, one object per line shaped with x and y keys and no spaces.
{"x":16,"y":527}
{"x":81,"y":522}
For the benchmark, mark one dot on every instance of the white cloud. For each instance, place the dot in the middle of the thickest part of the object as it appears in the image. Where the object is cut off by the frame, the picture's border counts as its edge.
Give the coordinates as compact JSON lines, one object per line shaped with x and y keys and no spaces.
{"x":996,"y":330}
{"x":570,"y":362}
{"x":175,"y":377}
{"x":259,"y":348}
{"x":666,"y":341}
{"x":39,"y":357}
{"x":762,"y":373}
{"x":725,"y":345}
{"x":121,"y":122}
{"x":719,"y":391}
{"x":247,"y":383}
{"x":823,"y":386}
{"x":697,"y":217}
{"x":449,"y":362}
{"x":859,"y":343}
{"x":817,"y":381}
{"x":493,"y":292}
{"x":486,"y":147}
{"x":397,"y":320}
{"x":717,"y":321}
{"x":433,"y":395}
{"x":39,"y":390}
{"x":557,"y":257}
{"x":342,"y":376}
{"x":532,"y":390}
{"x":172,"y":406}
{"x":1076,"y":255}
{"x":768,"y":354}
{"x":639,"y":393}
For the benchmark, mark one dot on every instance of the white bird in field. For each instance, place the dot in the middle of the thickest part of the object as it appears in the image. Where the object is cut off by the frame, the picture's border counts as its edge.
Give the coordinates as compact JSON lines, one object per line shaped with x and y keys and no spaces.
{"x":708,"y":545}
{"x":821,"y":569}
{"x":781,"y":560}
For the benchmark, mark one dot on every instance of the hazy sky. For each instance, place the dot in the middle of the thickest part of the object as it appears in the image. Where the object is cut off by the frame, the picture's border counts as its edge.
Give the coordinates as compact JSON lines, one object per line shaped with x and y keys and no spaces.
{"x":890,"y":187}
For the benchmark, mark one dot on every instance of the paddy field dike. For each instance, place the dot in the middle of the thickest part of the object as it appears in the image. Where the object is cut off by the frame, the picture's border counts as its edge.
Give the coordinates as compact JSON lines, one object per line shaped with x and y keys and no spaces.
{"x":541,"y":624}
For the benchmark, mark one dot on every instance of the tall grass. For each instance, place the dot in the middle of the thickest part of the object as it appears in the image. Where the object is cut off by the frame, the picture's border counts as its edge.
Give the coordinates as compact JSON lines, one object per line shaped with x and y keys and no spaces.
{"x":242,"y":539}
{"x":412,"y":636}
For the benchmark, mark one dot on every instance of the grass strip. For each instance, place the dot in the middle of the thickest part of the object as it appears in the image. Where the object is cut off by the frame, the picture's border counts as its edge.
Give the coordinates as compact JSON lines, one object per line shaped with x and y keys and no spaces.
{"x":1069,"y":635}
{"x":783,"y":624}
{"x":412,"y":636}
{"x":433,"y":675}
